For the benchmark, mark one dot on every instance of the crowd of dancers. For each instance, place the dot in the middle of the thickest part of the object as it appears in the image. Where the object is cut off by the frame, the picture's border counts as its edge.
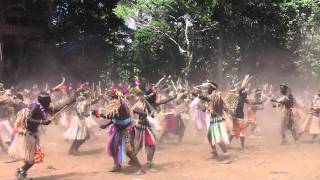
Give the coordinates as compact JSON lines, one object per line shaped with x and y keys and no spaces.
{"x":137,"y":116}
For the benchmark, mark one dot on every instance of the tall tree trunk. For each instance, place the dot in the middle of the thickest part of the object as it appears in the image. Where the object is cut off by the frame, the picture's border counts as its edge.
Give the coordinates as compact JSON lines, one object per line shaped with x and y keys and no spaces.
{"x":220,"y":59}
{"x":1,"y":59}
{"x":188,"y":57}
{"x":2,"y":17}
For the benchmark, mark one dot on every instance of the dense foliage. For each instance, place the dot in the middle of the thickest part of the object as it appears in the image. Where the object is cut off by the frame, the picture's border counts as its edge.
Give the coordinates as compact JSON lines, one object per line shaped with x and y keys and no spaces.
{"x":216,"y":39}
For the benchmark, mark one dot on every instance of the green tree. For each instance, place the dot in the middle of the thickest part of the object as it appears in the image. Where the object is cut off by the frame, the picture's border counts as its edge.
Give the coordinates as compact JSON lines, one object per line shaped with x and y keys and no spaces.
{"x":88,"y":35}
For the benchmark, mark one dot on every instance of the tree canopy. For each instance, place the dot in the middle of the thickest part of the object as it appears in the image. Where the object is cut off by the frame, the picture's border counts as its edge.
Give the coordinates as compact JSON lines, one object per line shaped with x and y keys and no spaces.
{"x":208,"y":39}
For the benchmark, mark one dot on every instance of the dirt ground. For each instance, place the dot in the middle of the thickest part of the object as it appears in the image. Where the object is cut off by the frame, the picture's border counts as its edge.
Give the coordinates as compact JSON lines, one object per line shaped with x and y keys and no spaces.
{"x":264,"y":158}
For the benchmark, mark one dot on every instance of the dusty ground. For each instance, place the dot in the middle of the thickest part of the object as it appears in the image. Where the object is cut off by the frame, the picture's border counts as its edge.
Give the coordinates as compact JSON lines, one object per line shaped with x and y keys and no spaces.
{"x":264,"y":158}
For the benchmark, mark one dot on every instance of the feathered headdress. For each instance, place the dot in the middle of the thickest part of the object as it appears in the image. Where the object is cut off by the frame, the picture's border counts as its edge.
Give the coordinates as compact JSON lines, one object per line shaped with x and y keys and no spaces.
{"x":116,"y":92}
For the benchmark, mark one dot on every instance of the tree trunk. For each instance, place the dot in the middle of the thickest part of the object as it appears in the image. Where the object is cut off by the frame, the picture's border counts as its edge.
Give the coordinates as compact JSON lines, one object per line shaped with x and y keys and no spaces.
{"x":1,"y":59}
{"x":2,"y":17}
{"x":220,"y":60}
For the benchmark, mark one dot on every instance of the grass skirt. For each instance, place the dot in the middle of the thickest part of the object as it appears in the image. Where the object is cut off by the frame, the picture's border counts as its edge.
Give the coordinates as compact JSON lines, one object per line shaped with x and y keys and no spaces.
{"x":78,"y":129}
{"x":25,"y":146}
{"x":311,"y":124}
{"x":217,"y":132}
{"x":5,"y":131}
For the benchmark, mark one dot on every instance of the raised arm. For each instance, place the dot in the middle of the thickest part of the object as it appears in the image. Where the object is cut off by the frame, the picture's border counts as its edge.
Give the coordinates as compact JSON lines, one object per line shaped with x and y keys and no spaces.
{"x":252,"y":102}
{"x":106,"y":125}
{"x":44,"y":117}
{"x":45,"y":120}
{"x":202,"y":97}
{"x":165,"y":101}
{"x":56,"y":107}
{"x":139,"y":111}
{"x":100,"y":115}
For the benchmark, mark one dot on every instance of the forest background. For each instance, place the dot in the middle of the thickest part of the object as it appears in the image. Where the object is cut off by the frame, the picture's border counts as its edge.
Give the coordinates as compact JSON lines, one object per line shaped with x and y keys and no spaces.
{"x":223,"y":40}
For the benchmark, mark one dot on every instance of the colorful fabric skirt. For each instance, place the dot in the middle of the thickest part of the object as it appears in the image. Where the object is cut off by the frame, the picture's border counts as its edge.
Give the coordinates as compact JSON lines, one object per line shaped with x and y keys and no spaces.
{"x":170,"y":123}
{"x":26,"y":147}
{"x":217,"y":131}
{"x":239,"y":128}
{"x":144,"y":136}
{"x":6,"y":131}
{"x":251,"y":115}
{"x":120,"y":142}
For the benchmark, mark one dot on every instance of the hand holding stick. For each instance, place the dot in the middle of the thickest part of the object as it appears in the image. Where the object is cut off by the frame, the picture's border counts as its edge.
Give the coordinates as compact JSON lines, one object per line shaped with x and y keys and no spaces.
{"x":158,"y":83}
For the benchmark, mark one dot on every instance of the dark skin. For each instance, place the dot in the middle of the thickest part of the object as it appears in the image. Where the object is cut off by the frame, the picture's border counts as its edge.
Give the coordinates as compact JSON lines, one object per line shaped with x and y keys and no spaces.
{"x":258,"y":97}
{"x":288,"y":102}
{"x":143,"y":113}
{"x":180,"y":127}
{"x":240,"y":114}
{"x":219,"y":108}
{"x":35,"y":119}
{"x":285,"y":103}
{"x":123,"y":114}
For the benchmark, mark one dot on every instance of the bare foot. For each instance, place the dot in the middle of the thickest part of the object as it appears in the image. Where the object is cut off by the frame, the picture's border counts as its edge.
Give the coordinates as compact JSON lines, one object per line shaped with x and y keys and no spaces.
{"x":116,"y":168}
{"x":140,"y":172}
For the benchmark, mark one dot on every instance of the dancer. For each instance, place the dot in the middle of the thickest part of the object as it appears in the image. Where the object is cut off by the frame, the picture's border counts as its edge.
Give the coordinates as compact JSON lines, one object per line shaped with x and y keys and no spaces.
{"x":26,"y":144}
{"x":252,"y":109}
{"x":217,"y":131}
{"x":286,"y":102}
{"x":173,"y":122}
{"x":311,"y":124}
{"x":5,"y":127}
{"x":8,"y":105}
{"x":144,"y":135}
{"x":238,"y":116}
{"x":198,"y":114}
{"x":120,"y":132}
{"x":78,"y":132}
